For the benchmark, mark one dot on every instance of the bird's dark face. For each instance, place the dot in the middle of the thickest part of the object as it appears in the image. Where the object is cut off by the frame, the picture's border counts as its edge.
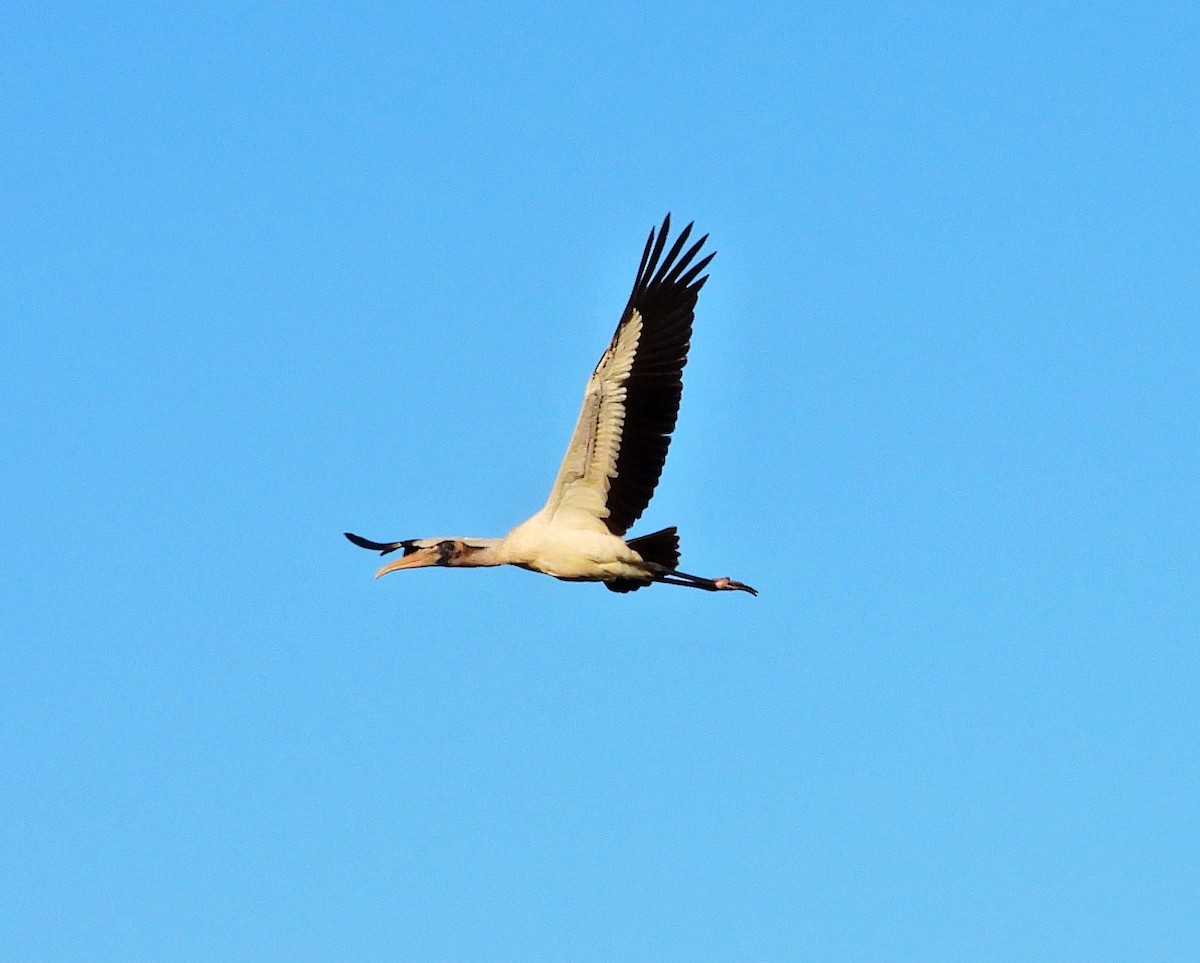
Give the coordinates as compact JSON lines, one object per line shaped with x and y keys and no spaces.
{"x":449,"y":551}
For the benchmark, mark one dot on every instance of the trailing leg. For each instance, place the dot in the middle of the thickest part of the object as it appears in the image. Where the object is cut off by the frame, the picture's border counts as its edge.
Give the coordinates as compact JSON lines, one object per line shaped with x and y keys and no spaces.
{"x":668,"y":576}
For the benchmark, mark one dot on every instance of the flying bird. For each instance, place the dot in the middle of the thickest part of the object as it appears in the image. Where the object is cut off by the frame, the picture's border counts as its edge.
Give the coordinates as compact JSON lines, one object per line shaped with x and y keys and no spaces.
{"x":616,"y":454}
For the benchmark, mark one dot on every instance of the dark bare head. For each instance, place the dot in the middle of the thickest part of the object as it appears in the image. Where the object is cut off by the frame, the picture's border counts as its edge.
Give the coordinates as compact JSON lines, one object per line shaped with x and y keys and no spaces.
{"x":425,"y":552}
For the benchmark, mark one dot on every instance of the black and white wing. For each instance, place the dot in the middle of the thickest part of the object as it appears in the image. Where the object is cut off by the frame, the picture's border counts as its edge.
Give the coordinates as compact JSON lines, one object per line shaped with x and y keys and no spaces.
{"x":620,"y":443}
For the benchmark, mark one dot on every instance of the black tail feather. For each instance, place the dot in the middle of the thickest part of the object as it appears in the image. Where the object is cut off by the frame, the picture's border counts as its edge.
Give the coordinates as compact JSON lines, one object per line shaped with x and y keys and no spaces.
{"x":661,"y":547}
{"x":657,"y":548}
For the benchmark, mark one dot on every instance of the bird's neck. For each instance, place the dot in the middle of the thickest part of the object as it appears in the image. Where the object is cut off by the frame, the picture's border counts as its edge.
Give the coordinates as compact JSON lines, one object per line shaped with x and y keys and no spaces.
{"x":481,"y":553}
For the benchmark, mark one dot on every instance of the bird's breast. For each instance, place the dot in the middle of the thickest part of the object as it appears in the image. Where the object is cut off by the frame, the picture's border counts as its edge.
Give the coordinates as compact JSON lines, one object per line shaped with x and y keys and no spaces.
{"x":570,"y":551}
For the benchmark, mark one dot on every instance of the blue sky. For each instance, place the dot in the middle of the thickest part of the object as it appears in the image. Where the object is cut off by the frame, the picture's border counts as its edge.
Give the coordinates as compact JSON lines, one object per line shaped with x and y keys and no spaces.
{"x":273,"y":272}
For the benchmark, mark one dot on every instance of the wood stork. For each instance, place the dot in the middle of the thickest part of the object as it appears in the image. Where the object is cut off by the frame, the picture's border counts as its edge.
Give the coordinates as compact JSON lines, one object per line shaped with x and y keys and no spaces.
{"x":616,"y":454}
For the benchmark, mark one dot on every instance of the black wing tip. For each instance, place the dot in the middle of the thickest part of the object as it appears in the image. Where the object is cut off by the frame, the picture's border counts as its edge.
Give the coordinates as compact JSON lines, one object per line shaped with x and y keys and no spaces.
{"x":381,"y":547}
{"x":656,"y":270}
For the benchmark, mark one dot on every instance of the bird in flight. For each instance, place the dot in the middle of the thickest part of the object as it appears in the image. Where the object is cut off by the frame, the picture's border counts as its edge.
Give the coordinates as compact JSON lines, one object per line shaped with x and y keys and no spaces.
{"x":616,"y":454}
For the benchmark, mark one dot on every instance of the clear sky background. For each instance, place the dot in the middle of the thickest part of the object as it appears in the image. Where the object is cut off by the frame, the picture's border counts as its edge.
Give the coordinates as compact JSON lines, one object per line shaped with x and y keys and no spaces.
{"x":271,"y":272}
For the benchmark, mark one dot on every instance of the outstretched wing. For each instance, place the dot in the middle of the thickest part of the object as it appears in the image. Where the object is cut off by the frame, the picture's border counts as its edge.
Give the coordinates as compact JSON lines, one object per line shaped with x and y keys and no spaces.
{"x":620,"y":443}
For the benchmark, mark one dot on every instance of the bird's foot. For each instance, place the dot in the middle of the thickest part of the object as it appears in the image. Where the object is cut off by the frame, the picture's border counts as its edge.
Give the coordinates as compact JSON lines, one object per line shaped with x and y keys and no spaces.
{"x":728,"y":584}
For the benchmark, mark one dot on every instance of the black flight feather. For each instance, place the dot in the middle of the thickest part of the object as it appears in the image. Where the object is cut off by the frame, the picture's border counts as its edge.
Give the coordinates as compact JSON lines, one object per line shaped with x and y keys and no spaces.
{"x":383,"y":548}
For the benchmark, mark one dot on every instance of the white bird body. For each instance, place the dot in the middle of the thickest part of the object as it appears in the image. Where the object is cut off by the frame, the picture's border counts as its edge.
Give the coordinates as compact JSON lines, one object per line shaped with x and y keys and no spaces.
{"x":615,"y":455}
{"x":570,"y":548}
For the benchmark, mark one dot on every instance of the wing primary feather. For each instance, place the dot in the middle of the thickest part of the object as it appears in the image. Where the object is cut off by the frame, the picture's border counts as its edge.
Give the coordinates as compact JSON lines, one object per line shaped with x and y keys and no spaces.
{"x":637,"y":281}
{"x":690,"y":276}
{"x":659,"y":243}
{"x":381,"y":547}
{"x":682,"y":264}
{"x":672,"y":254}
